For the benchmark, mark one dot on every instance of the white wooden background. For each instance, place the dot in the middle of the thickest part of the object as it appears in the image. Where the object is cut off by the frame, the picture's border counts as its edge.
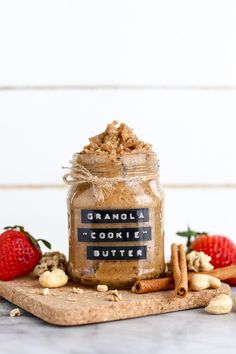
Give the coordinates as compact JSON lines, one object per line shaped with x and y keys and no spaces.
{"x":166,"y":68}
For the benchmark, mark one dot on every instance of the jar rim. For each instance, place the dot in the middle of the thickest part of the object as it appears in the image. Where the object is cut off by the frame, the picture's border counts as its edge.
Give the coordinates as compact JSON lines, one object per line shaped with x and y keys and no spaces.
{"x":140,"y":163}
{"x":93,"y":158}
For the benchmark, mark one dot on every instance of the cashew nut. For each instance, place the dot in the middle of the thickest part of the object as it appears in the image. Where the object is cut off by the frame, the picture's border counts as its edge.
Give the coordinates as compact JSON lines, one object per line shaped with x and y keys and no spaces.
{"x":220,"y":305}
{"x":54,"y":279}
{"x":203,"y":281}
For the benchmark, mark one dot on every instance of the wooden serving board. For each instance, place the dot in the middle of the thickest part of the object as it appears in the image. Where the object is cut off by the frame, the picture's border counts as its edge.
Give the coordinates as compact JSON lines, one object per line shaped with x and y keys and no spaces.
{"x":92,"y":306}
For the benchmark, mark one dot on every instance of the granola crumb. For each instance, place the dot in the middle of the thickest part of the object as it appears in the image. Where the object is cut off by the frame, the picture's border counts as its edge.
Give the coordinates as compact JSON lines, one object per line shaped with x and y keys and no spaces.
{"x":199,"y":262}
{"x":102,"y":288}
{"x":50,"y":261}
{"x":46,"y":291}
{"x":116,"y":140}
{"x":77,"y":291}
{"x":115,"y":296}
{"x":114,"y":292}
{"x":15,"y":312}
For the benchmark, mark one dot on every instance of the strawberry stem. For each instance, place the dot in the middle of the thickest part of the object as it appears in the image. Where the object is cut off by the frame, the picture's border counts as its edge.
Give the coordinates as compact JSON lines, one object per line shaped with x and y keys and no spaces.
{"x":189,"y":234}
{"x":32,"y":239}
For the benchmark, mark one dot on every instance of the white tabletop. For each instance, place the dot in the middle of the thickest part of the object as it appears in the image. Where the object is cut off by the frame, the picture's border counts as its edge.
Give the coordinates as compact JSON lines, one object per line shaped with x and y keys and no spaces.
{"x":192,"y":331}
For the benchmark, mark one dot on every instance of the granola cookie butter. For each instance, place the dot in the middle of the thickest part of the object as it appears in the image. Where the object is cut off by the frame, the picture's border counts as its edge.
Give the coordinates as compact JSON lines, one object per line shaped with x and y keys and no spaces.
{"x":115,"y":210}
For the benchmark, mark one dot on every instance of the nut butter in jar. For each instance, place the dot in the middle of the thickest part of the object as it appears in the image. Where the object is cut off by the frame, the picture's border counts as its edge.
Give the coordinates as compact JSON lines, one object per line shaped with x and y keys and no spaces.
{"x":115,"y":211}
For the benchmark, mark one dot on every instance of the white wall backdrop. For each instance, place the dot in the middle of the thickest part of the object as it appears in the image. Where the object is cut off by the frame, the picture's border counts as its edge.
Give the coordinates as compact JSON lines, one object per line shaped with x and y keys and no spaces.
{"x":166,"y":68}
{"x":158,"y":42}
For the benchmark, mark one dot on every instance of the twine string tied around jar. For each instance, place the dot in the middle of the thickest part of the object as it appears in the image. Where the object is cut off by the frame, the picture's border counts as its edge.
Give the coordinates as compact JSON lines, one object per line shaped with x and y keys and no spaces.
{"x":101,"y":186}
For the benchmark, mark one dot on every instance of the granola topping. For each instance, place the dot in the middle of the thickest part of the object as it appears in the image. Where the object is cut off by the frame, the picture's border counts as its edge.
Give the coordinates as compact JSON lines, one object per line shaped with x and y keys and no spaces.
{"x":115,"y":141}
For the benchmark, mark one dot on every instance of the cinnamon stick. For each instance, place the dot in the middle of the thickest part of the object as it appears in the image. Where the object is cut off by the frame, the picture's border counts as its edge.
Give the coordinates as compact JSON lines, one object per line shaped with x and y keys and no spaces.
{"x":222,"y":273}
{"x":152,"y":285}
{"x":179,"y":267}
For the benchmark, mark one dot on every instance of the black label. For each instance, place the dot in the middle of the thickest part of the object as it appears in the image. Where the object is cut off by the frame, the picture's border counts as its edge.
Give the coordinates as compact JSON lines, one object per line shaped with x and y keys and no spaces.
{"x":114,"y":216}
{"x":115,"y":234}
{"x":117,"y":253}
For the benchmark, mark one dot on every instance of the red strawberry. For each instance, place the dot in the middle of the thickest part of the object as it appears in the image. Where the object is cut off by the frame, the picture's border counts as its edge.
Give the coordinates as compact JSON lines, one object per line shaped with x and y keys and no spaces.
{"x":19,"y":252}
{"x":221,"y":249}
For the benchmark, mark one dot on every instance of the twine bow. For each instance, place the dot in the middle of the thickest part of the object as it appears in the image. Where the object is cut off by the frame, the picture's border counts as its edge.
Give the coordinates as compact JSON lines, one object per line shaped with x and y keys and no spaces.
{"x":101,"y":186}
{"x":79,"y":174}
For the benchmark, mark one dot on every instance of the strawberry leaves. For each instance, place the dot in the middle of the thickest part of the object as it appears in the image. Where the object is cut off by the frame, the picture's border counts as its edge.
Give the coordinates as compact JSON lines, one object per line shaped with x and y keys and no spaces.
{"x":190,"y":235}
{"x":45,"y":242}
{"x":32,"y":239}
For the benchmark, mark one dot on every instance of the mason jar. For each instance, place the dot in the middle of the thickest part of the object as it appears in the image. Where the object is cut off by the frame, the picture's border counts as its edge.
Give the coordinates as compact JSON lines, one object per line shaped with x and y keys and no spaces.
{"x":115,"y":218}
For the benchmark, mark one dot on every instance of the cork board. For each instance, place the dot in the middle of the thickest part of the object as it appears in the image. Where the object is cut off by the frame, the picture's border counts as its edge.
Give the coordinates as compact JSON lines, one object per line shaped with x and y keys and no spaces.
{"x":92,"y":306}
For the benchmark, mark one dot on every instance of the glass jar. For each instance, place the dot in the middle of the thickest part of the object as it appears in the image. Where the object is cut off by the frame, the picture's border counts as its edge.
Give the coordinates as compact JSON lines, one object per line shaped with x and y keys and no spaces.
{"x":115,"y":213}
